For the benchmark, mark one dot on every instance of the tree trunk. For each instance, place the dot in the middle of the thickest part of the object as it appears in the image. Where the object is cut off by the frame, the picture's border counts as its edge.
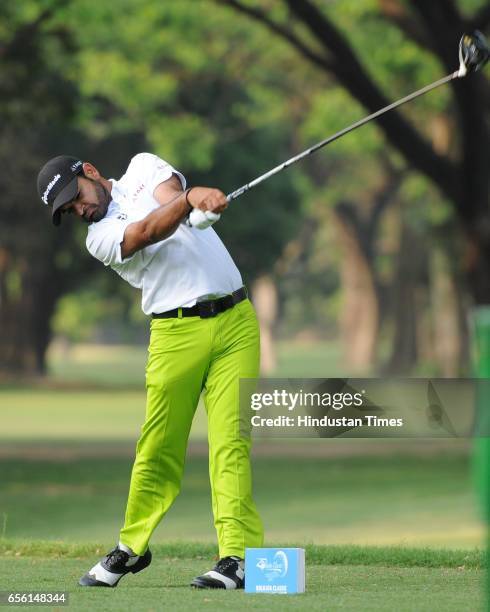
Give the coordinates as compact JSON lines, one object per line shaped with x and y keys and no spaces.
{"x":264,"y":295}
{"x":359,"y":317}
{"x":445,"y":316}
{"x":27,"y":300}
{"x":411,"y":269}
{"x":450,"y":305}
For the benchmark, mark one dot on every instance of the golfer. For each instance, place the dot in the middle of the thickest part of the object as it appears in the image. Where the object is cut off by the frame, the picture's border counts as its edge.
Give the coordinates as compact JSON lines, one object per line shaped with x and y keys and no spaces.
{"x":204,"y":337}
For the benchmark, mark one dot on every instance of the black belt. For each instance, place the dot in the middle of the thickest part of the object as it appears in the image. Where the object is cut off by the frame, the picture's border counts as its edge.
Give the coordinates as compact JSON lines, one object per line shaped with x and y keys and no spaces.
{"x":207,"y":309}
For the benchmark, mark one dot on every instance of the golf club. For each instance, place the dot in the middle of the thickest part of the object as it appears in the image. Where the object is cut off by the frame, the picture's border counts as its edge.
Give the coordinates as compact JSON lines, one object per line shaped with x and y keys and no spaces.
{"x":474,"y":53}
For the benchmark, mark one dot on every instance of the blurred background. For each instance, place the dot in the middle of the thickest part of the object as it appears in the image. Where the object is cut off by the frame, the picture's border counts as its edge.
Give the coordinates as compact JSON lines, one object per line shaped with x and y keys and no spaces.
{"x":367,"y":259}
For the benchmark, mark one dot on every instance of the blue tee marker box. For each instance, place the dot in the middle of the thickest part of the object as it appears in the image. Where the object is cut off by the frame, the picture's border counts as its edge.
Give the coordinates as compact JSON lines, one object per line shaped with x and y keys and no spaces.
{"x":275,"y":570}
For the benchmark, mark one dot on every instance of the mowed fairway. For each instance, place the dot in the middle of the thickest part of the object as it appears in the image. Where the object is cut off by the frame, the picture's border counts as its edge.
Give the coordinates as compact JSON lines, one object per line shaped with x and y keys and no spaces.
{"x":346,"y":579}
{"x":125,"y":365}
{"x":399,"y":500}
{"x":66,"y":456}
{"x":395,"y":524}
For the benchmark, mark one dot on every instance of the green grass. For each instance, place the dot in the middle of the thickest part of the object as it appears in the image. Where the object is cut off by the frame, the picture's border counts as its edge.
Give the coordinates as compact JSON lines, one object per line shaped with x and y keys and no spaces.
{"x":105,"y":385}
{"x":115,"y":365}
{"x":402,"y":530}
{"x":316,"y":554}
{"x":311,"y":360}
{"x":62,"y":414}
{"x":399,"y":500}
{"x":345,"y":587}
{"x":99,"y":364}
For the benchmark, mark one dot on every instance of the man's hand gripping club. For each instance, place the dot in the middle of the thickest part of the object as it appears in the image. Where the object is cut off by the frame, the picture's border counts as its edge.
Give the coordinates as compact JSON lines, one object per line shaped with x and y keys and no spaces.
{"x":207,"y":204}
{"x":162,"y":222}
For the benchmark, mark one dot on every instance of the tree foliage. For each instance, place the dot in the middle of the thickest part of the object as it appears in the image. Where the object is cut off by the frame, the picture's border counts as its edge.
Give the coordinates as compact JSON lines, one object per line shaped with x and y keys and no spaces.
{"x":432,"y":29}
{"x":225,"y":99}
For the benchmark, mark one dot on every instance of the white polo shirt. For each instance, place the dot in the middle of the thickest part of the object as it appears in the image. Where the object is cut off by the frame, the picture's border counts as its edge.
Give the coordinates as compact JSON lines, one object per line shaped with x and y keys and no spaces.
{"x":187,"y":266}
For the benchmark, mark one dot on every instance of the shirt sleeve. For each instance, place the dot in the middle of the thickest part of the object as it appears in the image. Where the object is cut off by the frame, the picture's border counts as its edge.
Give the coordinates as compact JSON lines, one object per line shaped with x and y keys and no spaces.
{"x":153,"y":170}
{"x":104,"y":241}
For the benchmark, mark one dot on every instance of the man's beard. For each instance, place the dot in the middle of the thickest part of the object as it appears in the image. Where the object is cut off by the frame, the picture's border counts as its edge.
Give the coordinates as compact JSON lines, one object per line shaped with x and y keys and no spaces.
{"x":103,"y":200}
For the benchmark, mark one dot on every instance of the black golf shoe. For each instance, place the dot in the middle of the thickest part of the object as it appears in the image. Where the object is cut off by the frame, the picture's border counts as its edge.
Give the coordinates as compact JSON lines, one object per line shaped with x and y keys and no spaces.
{"x":228,"y":573}
{"x":113,"y":567}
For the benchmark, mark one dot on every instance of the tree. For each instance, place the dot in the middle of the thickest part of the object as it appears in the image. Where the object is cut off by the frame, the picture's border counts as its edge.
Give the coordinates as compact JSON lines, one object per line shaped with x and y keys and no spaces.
{"x":54,"y":99}
{"x":39,"y":111}
{"x":461,"y":174}
{"x":33,"y":94}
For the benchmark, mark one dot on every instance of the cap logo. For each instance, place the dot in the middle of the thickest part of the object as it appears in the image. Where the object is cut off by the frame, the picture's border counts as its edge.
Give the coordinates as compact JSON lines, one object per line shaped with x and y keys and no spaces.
{"x":50,"y":186}
{"x":76,"y":165}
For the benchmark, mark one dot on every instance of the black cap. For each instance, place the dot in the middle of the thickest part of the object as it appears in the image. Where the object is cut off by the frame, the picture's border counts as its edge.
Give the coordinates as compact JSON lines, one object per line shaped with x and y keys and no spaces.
{"x":57,"y":182}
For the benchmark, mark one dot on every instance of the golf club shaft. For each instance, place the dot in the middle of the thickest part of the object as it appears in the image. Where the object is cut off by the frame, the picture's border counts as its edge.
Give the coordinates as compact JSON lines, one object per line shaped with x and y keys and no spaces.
{"x":240,"y":191}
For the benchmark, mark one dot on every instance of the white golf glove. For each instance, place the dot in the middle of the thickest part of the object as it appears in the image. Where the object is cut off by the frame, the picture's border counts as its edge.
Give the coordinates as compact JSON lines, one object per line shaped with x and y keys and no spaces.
{"x":201,"y":219}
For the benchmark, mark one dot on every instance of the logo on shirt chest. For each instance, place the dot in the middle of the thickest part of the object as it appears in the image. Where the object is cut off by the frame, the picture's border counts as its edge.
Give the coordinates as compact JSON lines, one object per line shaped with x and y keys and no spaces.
{"x":137,"y":192}
{"x":122,"y":216}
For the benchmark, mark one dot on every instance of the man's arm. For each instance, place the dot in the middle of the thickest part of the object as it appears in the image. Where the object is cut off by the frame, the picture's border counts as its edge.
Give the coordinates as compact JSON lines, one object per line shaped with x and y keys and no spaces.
{"x":168,"y":190}
{"x":175,"y":205}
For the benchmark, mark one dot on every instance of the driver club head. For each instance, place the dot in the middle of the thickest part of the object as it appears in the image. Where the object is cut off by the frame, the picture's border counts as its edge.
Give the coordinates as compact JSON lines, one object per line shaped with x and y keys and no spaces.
{"x":474,"y":52}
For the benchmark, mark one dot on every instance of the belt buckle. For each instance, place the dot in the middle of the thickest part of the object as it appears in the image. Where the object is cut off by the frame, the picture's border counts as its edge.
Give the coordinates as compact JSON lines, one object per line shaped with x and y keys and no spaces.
{"x":207,"y":310}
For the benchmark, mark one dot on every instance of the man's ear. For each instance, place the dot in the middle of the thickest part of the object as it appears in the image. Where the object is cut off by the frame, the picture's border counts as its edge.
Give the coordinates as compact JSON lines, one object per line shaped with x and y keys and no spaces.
{"x":90,"y":171}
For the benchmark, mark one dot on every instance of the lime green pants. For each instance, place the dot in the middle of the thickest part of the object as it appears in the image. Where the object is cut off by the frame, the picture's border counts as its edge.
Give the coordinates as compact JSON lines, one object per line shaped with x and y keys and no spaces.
{"x":186,"y":356}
